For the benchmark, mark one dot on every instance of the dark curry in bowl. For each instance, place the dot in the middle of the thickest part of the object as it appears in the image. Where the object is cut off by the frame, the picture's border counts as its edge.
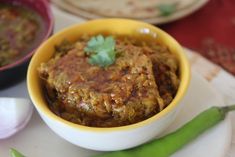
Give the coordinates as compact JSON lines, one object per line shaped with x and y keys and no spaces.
{"x":20,"y":29}
{"x":109,"y":81}
{"x":24,"y":25}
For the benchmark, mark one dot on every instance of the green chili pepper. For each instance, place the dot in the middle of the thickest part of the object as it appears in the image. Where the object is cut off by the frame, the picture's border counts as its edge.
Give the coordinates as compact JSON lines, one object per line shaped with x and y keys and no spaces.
{"x":167,"y":145}
{"x":15,"y":153}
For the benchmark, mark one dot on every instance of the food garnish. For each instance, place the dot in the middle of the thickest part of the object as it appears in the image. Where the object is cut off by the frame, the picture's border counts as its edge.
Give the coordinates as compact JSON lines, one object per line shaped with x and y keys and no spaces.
{"x":101,"y":50}
{"x":166,"y":9}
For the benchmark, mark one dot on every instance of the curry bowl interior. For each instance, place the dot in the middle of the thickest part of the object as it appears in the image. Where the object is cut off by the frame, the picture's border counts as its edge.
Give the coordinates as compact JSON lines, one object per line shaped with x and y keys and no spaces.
{"x":119,"y":27}
{"x":45,"y":24}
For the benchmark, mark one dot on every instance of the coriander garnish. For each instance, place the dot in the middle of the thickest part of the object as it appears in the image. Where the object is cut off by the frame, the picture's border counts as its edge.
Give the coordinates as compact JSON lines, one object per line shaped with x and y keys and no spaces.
{"x":101,"y":50}
{"x":167,"y":9}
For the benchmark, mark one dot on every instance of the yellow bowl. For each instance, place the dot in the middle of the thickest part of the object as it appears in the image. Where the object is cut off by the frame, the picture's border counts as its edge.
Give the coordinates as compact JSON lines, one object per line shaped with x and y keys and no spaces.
{"x":115,"y":138}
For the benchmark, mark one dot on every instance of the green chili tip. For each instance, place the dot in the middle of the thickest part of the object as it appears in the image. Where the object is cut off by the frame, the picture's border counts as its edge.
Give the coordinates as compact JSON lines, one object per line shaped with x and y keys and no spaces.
{"x":15,"y":153}
{"x":226,"y":109}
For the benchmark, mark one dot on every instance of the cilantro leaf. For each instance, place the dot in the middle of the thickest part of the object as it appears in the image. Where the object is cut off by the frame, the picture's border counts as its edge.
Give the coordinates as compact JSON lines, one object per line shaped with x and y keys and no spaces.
{"x":101,"y":51}
{"x":167,"y":9}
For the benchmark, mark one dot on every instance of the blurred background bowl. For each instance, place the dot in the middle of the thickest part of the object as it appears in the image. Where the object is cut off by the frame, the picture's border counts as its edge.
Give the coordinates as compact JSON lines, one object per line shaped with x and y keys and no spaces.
{"x":16,"y":71}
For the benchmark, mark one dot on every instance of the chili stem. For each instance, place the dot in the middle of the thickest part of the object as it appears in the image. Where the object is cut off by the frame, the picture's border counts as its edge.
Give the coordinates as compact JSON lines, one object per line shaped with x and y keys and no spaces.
{"x":226,"y":109}
{"x":232,"y":107}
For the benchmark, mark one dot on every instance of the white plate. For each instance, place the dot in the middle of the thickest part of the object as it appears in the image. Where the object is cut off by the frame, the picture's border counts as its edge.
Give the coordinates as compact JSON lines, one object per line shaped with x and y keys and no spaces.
{"x":193,"y":6}
{"x":37,"y":140}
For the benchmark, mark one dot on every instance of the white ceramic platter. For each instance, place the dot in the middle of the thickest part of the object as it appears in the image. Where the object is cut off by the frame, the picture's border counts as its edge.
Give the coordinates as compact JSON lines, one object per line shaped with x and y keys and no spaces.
{"x":37,"y":140}
{"x":193,"y":6}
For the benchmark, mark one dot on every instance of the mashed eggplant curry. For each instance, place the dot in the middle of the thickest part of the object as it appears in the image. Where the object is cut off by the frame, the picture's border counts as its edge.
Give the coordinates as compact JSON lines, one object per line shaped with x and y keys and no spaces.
{"x":109,"y":81}
{"x":19,"y":27}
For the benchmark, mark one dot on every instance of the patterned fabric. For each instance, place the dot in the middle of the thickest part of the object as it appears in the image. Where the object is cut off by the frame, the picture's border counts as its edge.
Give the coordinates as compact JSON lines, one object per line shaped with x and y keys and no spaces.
{"x":210,"y":31}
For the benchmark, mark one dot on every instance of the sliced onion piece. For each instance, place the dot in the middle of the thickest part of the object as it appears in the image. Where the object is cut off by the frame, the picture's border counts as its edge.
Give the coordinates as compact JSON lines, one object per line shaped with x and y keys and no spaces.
{"x":15,"y":113}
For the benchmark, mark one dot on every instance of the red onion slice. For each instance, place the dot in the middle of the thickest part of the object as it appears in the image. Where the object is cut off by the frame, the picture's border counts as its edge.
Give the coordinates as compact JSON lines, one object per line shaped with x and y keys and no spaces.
{"x":15,"y":113}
